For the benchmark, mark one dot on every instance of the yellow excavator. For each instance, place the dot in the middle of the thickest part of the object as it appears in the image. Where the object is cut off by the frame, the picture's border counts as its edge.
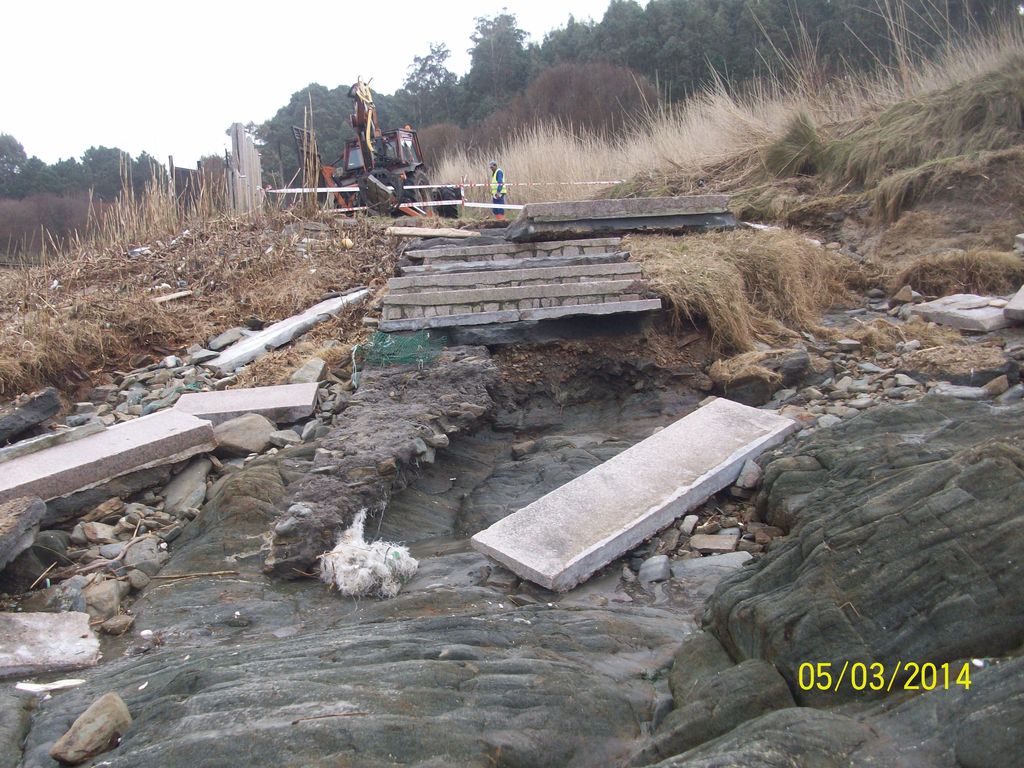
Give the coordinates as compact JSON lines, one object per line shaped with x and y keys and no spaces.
{"x":382,"y":164}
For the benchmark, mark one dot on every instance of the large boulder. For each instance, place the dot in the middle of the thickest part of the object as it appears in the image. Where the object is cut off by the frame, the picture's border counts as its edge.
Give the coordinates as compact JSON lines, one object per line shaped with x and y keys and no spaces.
{"x":904,"y":545}
{"x":244,"y":435}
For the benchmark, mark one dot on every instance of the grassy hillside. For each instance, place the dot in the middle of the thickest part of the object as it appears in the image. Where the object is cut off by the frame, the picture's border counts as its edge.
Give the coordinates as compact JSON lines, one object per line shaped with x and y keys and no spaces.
{"x":863,"y":151}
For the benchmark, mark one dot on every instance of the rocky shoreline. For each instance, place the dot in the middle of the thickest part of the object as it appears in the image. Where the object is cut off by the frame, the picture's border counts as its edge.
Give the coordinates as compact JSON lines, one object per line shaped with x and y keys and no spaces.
{"x":885,"y":533}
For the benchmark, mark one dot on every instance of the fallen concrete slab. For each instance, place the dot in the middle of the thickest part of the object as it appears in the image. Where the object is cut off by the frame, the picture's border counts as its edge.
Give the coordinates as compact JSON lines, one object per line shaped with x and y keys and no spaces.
{"x":251,"y":347}
{"x":562,"y":538}
{"x":509,"y":250}
{"x":964,"y":311}
{"x":444,"y":267}
{"x":160,"y":438}
{"x":430,"y":232}
{"x":34,"y":643}
{"x":516,"y":315}
{"x":1015,"y":309}
{"x":584,"y":218}
{"x":282,"y":404}
{"x":508,"y":278}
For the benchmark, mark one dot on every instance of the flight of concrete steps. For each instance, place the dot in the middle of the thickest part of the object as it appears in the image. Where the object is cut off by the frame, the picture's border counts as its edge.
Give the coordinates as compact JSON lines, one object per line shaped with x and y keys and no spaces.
{"x":510,"y":282}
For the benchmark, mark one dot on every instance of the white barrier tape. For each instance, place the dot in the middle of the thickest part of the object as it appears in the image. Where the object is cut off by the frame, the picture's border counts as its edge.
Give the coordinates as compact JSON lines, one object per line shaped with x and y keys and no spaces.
{"x":468,"y":185}
{"x":467,"y":204}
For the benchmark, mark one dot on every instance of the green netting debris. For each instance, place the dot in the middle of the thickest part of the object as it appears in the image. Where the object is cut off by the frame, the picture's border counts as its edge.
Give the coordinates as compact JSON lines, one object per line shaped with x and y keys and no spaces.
{"x":386,"y":349}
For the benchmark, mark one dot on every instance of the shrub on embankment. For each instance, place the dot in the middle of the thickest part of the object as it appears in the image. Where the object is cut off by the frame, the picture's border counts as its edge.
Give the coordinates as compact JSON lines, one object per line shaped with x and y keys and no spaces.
{"x":745,"y":285}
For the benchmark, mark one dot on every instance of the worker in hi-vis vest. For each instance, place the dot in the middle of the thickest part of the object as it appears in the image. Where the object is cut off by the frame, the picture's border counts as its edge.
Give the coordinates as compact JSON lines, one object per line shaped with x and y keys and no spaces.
{"x":497,"y":190}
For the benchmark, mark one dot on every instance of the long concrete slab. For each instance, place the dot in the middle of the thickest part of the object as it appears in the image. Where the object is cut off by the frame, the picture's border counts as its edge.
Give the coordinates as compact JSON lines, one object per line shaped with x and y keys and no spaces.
{"x":501,"y":278}
{"x":1015,"y":309}
{"x":964,"y":311}
{"x":516,"y":315}
{"x":280,"y":333}
{"x":513,"y":278}
{"x":448,"y":267}
{"x":559,"y":540}
{"x":507,"y":250}
{"x":517,"y":293}
{"x":625,"y":207}
{"x":160,"y":438}
{"x":35,"y":643}
{"x":282,"y":404}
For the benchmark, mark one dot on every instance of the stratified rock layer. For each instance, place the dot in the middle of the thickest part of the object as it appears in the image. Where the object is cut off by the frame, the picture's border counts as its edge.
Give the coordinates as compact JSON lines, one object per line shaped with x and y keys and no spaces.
{"x":904,"y":545}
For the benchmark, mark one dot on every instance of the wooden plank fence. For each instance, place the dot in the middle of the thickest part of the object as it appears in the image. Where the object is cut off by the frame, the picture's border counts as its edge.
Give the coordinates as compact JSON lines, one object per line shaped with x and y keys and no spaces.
{"x":245,"y":179}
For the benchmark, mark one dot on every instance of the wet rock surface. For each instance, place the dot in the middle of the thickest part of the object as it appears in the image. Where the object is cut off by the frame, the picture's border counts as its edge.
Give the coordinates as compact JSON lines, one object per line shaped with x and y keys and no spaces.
{"x":906,"y":512}
{"x":466,"y":666}
{"x":902,"y":544}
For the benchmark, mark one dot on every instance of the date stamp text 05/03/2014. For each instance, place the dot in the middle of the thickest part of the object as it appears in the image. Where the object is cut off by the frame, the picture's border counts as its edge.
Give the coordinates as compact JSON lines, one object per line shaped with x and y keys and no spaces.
{"x":876,"y":676}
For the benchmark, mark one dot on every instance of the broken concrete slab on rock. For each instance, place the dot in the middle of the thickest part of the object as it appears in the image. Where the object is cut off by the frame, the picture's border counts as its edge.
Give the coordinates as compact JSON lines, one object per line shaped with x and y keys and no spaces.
{"x":28,"y":412}
{"x":161,"y":438}
{"x":283,"y":403}
{"x":19,"y":524}
{"x":562,"y":538}
{"x":965,"y":311}
{"x":248,"y":349}
{"x":33,"y":643}
{"x":583,"y":218}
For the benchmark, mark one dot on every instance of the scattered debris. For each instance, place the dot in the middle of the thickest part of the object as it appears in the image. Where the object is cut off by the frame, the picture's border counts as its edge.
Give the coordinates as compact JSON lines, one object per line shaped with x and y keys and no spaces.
{"x":171,"y":297}
{"x":56,"y":685}
{"x":359,"y":568}
{"x":408,"y":232}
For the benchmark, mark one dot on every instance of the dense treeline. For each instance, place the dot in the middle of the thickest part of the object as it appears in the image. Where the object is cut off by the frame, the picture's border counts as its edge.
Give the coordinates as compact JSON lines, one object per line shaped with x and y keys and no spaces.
{"x":601,"y":73}
{"x":37,"y":196}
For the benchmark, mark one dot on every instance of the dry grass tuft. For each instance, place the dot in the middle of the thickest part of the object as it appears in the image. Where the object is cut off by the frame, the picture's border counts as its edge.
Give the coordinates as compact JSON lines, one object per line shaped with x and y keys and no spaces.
{"x":975,"y":271}
{"x":747,"y":286}
{"x":746,"y":367}
{"x":883,"y":336}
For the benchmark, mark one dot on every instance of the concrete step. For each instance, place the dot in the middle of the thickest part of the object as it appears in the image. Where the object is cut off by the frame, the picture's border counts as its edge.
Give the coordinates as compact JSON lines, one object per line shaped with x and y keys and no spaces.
{"x":477,"y":300}
{"x":590,"y":246}
{"x":510,"y":278}
{"x":610,"y":307}
{"x":164,"y":437}
{"x":448,"y":267}
{"x":562,"y":538}
{"x":597,"y":218}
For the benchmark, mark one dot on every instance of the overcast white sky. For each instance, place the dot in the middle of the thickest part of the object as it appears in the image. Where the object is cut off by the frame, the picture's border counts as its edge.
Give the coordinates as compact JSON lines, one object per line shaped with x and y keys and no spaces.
{"x":170,"y":77}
